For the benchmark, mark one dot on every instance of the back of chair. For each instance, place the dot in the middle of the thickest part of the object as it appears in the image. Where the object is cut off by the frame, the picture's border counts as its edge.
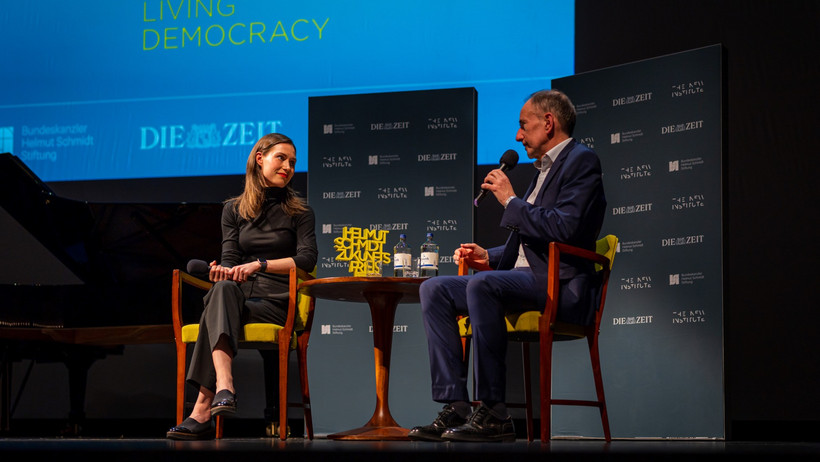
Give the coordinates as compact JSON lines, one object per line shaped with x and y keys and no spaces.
{"x":603,"y":257}
{"x":302,"y":308}
{"x":606,"y":246}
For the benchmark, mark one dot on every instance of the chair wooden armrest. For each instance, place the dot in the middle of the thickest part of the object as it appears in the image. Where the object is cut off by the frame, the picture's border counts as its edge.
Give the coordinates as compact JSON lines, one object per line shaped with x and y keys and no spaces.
{"x":303,"y":275}
{"x":578,"y":252}
{"x":179,"y":279}
{"x":194,"y":281}
{"x":464,"y":267}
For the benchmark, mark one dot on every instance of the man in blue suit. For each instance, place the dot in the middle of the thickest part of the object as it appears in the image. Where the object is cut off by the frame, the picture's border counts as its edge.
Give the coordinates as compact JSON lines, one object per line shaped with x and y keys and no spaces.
{"x":565,"y":203}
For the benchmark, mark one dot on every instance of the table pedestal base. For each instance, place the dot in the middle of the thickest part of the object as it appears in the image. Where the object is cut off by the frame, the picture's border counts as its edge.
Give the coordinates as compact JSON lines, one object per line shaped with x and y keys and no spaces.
{"x":368,"y":433}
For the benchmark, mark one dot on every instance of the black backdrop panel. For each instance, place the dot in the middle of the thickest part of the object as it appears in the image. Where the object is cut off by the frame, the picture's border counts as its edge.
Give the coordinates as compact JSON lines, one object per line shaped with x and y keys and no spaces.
{"x":657,"y":126}
{"x":401,"y":162}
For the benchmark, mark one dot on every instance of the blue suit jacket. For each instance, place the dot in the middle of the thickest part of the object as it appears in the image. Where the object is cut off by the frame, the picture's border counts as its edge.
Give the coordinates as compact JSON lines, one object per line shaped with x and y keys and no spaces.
{"x":569,"y":208}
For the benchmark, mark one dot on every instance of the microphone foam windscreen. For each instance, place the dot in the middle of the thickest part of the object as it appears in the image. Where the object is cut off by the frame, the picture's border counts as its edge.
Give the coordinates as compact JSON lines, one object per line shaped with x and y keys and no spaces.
{"x":509,"y":158}
{"x":198,"y":268}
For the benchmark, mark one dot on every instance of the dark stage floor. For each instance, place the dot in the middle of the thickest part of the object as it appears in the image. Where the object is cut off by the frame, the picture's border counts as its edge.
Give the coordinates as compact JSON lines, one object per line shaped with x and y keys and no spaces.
{"x":322,"y":449}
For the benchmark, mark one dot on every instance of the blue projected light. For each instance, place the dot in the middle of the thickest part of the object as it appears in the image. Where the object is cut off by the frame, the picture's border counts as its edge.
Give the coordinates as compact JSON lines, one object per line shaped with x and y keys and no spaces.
{"x":169,"y":88}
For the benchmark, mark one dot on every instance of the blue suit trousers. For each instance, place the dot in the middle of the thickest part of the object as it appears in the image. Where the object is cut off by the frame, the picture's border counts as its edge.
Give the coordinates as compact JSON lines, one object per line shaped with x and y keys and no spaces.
{"x":485,"y":297}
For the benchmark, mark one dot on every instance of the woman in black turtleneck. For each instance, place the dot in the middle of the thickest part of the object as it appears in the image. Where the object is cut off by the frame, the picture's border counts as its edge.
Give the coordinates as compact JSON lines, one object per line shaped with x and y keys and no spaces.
{"x":266,"y":231}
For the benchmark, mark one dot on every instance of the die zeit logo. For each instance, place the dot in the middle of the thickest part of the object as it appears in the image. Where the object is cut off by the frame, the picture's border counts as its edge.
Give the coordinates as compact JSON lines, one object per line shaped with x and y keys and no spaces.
{"x":437,"y":157}
{"x":630,"y":209}
{"x":682,"y":127}
{"x":206,"y":135}
{"x":389,"y":226}
{"x":632,"y":99}
{"x":630,"y":320}
{"x":396,"y":328}
{"x":683,"y":240}
{"x":342,"y":195}
{"x":389,"y":126}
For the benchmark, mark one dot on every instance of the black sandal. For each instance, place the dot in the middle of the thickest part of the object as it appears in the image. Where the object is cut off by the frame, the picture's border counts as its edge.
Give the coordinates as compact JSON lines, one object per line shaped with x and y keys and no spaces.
{"x":224,"y":403}
{"x":191,"y":430}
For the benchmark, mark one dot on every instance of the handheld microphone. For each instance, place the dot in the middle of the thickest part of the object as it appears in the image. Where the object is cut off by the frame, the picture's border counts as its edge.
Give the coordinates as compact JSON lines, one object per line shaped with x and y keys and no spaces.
{"x":508,"y":161}
{"x":199,"y":268}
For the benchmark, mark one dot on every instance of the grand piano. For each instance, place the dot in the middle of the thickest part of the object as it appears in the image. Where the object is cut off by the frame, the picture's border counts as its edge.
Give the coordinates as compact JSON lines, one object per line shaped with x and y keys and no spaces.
{"x":79,"y":280}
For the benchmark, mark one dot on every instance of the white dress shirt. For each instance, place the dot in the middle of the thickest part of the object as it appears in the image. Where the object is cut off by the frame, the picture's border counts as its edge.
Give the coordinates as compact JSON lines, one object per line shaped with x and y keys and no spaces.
{"x":543,"y":164}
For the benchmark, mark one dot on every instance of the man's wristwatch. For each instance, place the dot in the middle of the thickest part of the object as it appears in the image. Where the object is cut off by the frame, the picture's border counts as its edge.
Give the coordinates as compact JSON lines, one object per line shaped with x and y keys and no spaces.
{"x":264,"y":264}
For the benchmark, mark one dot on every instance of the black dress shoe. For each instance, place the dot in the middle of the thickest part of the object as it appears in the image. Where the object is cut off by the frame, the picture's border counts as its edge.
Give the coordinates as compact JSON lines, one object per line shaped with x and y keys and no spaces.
{"x":190,"y":429}
{"x":482,"y":426}
{"x":448,"y":417}
{"x":224,"y":404}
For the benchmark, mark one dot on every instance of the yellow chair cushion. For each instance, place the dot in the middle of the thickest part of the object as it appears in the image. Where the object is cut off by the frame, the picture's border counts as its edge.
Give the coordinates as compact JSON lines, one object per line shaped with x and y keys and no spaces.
{"x":190,"y":333}
{"x":606,"y":246}
{"x":523,"y":327}
{"x":465,"y":330}
{"x":302,"y":310}
{"x":253,"y":333}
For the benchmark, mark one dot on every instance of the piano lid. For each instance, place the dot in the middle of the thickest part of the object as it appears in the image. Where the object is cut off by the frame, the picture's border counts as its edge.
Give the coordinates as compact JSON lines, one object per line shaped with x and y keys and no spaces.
{"x":73,"y":263}
{"x":26,"y":261}
{"x":42,"y":237}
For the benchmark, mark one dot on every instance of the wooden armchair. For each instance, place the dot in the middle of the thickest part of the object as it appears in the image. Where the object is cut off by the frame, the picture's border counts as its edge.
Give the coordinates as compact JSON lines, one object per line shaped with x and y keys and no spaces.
{"x":533,"y":326}
{"x":293,"y":335}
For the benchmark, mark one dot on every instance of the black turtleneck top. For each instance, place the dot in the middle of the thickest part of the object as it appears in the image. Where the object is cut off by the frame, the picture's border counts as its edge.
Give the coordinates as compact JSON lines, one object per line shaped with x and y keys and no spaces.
{"x":272,"y":235}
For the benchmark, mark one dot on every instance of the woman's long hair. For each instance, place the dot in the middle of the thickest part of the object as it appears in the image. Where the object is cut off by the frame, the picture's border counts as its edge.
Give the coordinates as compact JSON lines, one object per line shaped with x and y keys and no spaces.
{"x":249,"y":203}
